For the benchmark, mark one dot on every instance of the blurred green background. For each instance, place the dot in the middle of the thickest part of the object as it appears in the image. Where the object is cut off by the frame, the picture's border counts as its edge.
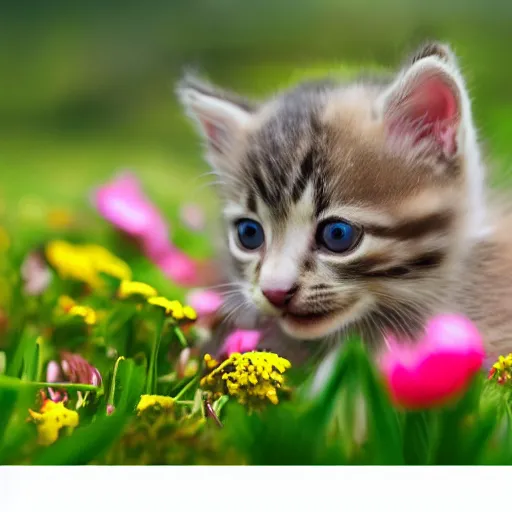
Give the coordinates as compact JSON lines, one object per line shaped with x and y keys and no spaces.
{"x":87,"y":88}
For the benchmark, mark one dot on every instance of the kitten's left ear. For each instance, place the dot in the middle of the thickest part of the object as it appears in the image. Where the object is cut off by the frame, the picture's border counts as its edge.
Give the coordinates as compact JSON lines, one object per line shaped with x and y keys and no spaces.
{"x":427,"y":101}
{"x":221,"y":117}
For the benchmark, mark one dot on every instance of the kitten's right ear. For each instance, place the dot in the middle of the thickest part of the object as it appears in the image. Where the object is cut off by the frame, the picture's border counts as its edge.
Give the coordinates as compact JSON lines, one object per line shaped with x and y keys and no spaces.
{"x":221,"y":118}
{"x":428,"y":101}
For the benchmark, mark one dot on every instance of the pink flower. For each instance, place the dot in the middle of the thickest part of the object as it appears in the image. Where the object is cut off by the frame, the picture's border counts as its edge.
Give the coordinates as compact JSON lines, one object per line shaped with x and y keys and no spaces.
{"x":76,"y":369}
{"x":178,"y":266}
{"x":241,"y":341}
{"x":125,"y":206}
{"x":110,"y":409}
{"x":123,"y":203}
{"x":53,"y":372}
{"x":438,"y":367}
{"x":36,"y":274}
{"x":205,"y":302}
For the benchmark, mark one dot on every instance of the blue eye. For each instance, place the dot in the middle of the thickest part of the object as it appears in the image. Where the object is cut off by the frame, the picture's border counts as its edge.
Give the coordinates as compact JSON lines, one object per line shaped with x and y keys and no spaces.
{"x":250,"y":234}
{"x":338,"y":236}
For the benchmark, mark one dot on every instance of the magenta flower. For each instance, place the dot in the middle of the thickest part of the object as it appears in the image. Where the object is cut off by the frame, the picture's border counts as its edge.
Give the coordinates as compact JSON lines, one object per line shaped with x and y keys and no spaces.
{"x":438,"y":367}
{"x":205,"y":302}
{"x":110,"y":409}
{"x":77,"y":370}
{"x":241,"y":341}
{"x":123,"y":203}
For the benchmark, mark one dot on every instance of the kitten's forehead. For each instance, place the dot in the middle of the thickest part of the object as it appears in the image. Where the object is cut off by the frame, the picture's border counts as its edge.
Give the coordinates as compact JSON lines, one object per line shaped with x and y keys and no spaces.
{"x":329,"y":138}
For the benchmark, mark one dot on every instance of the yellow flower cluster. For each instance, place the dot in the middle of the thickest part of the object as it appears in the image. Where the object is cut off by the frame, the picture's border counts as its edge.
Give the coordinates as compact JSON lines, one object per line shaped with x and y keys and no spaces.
{"x":174,"y":308}
{"x":252,"y":377}
{"x":85,"y":263}
{"x":68,"y":305}
{"x":129,"y":289}
{"x":52,"y":417}
{"x":502,"y":369}
{"x":147,"y":401}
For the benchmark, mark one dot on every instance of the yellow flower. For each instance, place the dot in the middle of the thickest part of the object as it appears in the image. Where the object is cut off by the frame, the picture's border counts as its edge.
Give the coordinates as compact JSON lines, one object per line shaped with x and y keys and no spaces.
{"x":174,"y":308}
{"x":503,"y":363}
{"x":52,"y":417}
{"x":252,"y":377}
{"x":131,"y":288}
{"x":147,"y":401}
{"x":69,"y":306}
{"x":86,"y":312}
{"x":106,"y":262}
{"x":189,"y":312}
{"x":85,"y":262}
{"x":66,"y":303}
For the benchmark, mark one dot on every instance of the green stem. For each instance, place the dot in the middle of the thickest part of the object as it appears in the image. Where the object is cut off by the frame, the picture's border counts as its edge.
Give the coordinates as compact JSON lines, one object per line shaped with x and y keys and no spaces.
{"x":151,"y":381}
{"x":186,"y":388}
{"x":111,"y":395}
{"x":180,"y":336}
{"x":14,"y":383}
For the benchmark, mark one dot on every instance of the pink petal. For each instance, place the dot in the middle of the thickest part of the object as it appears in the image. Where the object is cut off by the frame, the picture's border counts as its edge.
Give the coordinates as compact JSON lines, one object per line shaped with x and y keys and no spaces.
{"x":179,"y":267}
{"x":241,"y":341}
{"x":53,"y":372}
{"x":205,"y":302}
{"x":437,"y":367}
{"x":124,"y":205}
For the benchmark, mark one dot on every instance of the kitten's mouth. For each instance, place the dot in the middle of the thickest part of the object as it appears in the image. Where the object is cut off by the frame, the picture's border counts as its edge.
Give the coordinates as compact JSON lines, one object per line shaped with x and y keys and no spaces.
{"x":307,"y":318}
{"x":308,"y":325}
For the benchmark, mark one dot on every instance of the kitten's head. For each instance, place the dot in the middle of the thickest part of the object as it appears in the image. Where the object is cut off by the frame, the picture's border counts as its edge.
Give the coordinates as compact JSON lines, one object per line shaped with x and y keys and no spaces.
{"x":346,"y":203}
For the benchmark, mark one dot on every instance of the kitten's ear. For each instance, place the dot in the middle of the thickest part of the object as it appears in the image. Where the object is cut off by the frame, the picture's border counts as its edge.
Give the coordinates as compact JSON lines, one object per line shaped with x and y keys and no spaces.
{"x":425,"y":103}
{"x":221,"y":117}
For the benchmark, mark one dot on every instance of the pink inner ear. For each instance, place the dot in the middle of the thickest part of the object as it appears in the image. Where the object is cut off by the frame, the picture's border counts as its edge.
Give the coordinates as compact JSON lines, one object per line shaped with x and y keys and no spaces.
{"x":431,"y":110}
{"x":214,"y":134}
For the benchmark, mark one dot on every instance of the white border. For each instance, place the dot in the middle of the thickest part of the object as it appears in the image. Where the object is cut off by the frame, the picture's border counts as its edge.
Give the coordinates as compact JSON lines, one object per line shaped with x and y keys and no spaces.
{"x":227,"y":489}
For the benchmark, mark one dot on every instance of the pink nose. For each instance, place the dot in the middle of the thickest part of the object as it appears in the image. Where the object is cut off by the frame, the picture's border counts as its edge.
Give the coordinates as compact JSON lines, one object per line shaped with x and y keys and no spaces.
{"x":279,"y":298}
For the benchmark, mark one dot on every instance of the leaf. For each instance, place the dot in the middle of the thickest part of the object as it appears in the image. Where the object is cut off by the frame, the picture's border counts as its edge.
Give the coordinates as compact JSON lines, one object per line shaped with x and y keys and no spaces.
{"x":24,"y":356}
{"x":453,"y":427}
{"x":8,"y":397}
{"x":85,"y":443}
{"x":31,"y":361}
{"x":17,"y":433}
{"x":131,"y":378}
{"x":384,"y":436}
{"x":417,"y":437}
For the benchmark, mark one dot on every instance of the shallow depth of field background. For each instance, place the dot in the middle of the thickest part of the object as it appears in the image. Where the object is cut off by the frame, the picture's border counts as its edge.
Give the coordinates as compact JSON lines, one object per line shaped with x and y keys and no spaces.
{"x":86,"y":88}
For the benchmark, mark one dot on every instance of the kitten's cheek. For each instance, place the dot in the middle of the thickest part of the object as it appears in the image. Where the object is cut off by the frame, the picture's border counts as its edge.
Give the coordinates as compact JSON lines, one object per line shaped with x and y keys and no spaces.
{"x":262,"y":303}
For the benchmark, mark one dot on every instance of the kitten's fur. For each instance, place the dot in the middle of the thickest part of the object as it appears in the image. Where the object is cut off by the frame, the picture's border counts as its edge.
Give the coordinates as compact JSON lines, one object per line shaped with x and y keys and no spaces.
{"x":397,"y":156}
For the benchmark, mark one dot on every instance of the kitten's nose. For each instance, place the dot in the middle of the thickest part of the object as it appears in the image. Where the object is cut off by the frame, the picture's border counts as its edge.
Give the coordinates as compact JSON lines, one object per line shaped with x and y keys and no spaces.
{"x":279,"y":298}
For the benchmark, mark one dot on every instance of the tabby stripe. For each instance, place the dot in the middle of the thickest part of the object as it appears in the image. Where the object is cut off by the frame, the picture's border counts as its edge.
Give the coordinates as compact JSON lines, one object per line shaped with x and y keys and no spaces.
{"x":369,"y":267}
{"x":415,"y":228}
{"x":305,"y":173}
{"x":251,"y":202}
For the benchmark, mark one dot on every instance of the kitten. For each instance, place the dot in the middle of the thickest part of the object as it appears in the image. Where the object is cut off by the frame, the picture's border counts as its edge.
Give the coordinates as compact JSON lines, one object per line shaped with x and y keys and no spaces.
{"x":358,"y":205}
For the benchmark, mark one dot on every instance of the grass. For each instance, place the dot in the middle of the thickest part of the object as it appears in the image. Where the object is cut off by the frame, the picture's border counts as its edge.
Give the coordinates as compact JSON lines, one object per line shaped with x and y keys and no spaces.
{"x":137,"y":351}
